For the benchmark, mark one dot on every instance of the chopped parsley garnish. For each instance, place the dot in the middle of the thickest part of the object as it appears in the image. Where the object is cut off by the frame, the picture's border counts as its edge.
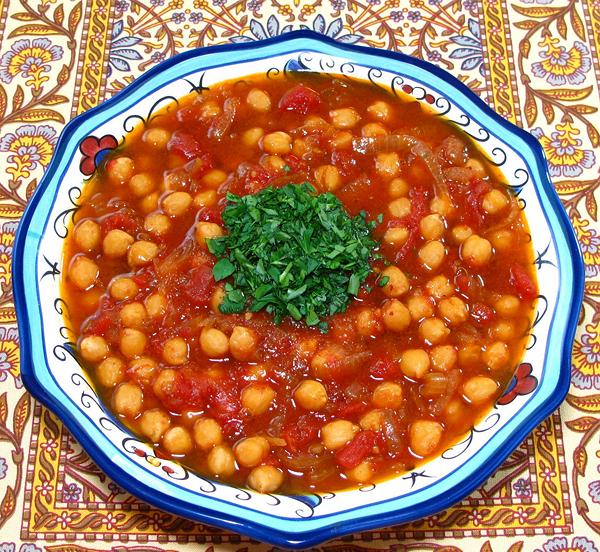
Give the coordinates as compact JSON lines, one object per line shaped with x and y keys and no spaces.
{"x":291,"y":252}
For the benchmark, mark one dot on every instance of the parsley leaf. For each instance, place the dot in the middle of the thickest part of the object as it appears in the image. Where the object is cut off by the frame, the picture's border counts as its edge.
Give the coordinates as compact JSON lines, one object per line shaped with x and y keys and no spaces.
{"x":291,"y":252}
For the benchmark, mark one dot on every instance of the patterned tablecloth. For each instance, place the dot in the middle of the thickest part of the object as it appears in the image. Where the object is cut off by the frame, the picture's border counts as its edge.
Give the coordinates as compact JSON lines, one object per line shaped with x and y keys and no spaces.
{"x":535,"y":62}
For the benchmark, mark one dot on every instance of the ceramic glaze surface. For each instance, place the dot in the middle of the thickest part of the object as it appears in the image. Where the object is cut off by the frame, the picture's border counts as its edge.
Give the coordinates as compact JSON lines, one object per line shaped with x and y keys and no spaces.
{"x":52,"y":373}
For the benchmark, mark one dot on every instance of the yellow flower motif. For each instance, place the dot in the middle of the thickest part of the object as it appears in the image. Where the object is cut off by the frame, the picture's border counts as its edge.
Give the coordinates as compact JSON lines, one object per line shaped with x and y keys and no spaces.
{"x":28,"y":147}
{"x":559,"y":66}
{"x":565,"y":156}
{"x":585,"y":373}
{"x":200,"y":4}
{"x":307,"y":10}
{"x":175,"y":4}
{"x":30,"y":59}
{"x":416,"y":3}
{"x":284,"y":10}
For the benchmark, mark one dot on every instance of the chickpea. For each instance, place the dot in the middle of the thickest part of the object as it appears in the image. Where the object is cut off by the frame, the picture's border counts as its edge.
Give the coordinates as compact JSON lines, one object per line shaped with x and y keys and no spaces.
{"x":503,"y":240}
{"x":380,"y":110}
{"x":414,"y":363}
{"x":363,"y":473}
{"x":507,"y":306}
{"x":372,"y":420}
{"x":433,"y":330}
{"x":207,"y":433}
{"x":122,"y":288}
{"x":341,"y":140}
{"x":214,"y":178}
{"x":214,"y":343}
{"x":387,"y":165}
{"x":156,"y":305}
{"x":397,"y":283}
{"x":479,"y":389}
{"x":259,"y":100}
{"x":127,"y":399}
{"x":368,"y":322}
{"x":164,"y":382}
{"x":420,"y":307}
{"x":176,"y":203}
{"x":251,"y":451}
{"x":432,"y":227}
{"x":157,"y":224}
{"x":208,"y":198}
{"x":494,"y":202}
{"x":143,"y":370}
{"x":338,"y":433}
{"x":328,"y":177}
{"x":252,"y":136}
{"x":455,"y":414}
{"x":265,"y":479}
{"x":207,"y":230}
{"x":398,"y":187}
{"x":157,"y":138}
{"x":476,"y":167}
{"x":257,"y":398}
{"x":396,"y":317}
{"x":116,"y":243}
{"x":441,"y":205}
{"x":120,"y":170}
{"x":461,"y":232}
{"x":177,"y":440}
{"x":243,"y":342}
{"x":83,"y":272}
{"x":94,"y":348}
{"x":396,"y":236}
{"x":439,"y":286}
{"x":311,"y":395}
{"x":373,"y":129}
{"x":399,"y":207}
{"x":154,"y":423}
{"x":476,"y":251}
{"x":274,"y":162}
{"x":496,"y":355}
{"x":141,"y":184}
{"x":443,"y":357}
{"x":432,"y":254}
{"x":149,"y":203}
{"x":454,"y":310}
{"x":110,"y":372}
{"x":502,"y":330}
{"x":425,"y":437}
{"x":141,"y":253}
{"x":87,"y":235}
{"x":133,"y":342}
{"x":277,"y":142}
{"x":323,"y":363}
{"x":175,"y":351}
{"x":220,"y":461}
{"x":217,"y":298}
{"x":387,"y":395}
{"x":346,"y":117}
{"x":133,"y":315}
{"x":210,"y":109}
{"x":469,"y":356}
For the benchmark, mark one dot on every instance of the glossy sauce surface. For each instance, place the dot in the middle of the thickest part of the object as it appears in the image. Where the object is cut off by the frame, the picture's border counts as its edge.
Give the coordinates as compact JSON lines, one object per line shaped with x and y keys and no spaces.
{"x":418,"y":357}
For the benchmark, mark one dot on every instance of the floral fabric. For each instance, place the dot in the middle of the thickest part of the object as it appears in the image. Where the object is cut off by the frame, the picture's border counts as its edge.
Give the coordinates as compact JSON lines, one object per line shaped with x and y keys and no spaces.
{"x":534,"y":61}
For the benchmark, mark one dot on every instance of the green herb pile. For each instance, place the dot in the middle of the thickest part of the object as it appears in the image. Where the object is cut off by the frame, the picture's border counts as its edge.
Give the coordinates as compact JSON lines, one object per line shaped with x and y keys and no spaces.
{"x":292,"y":253}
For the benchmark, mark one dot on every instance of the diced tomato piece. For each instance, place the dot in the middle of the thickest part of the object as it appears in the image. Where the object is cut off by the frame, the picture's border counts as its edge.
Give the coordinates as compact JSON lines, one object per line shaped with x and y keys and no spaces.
{"x":462,"y":282}
{"x":121,"y":220}
{"x":295,"y":163}
{"x":524,"y":285}
{"x":301,"y":99}
{"x":190,"y":390}
{"x":354,"y":408}
{"x":100,"y":324}
{"x":144,"y":277}
{"x":473,"y":214}
{"x":483,"y":314}
{"x":383,"y":368}
{"x":209,"y":214}
{"x":346,"y":163}
{"x":200,"y":285}
{"x":355,"y":451}
{"x":300,"y":435}
{"x":200,"y":165}
{"x":184,"y":144}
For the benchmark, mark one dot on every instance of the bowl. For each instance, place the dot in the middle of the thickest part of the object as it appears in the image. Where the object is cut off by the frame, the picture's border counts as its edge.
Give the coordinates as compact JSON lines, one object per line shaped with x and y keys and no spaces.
{"x":52,"y":374}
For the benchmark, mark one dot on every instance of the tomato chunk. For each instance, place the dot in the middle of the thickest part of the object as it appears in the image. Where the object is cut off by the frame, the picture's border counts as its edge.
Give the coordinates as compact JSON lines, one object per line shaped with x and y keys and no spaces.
{"x":200,"y":285}
{"x":300,"y":435}
{"x":301,"y":99}
{"x":356,"y":450}
{"x":184,"y":144}
{"x":523,"y":284}
{"x":483,"y":314}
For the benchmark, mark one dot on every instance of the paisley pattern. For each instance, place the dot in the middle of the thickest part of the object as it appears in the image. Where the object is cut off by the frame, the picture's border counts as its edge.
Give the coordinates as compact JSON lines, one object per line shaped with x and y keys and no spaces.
{"x":533,"y":61}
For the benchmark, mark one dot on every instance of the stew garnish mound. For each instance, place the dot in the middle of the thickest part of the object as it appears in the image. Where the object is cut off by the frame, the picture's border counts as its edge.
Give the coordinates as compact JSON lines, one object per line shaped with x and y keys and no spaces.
{"x":299,"y":284}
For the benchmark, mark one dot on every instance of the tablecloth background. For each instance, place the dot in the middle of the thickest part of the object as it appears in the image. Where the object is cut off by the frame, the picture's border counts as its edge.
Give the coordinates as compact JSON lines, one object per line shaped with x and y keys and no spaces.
{"x":534,"y":61}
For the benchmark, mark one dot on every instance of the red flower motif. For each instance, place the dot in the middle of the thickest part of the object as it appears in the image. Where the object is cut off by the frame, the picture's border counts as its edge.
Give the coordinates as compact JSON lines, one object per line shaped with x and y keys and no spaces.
{"x":93,"y":150}
{"x":522,"y":383}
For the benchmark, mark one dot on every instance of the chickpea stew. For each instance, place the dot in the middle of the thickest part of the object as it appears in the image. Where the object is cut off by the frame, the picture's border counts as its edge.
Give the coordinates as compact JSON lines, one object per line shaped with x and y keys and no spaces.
{"x":299,"y":284}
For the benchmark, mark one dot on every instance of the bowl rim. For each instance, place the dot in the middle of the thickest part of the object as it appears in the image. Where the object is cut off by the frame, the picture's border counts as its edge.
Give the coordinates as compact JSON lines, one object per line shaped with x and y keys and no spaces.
{"x":558,"y":222}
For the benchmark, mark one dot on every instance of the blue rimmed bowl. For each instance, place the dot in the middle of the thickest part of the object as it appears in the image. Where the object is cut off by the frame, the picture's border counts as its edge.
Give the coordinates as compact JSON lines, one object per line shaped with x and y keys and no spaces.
{"x":53,"y":375}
